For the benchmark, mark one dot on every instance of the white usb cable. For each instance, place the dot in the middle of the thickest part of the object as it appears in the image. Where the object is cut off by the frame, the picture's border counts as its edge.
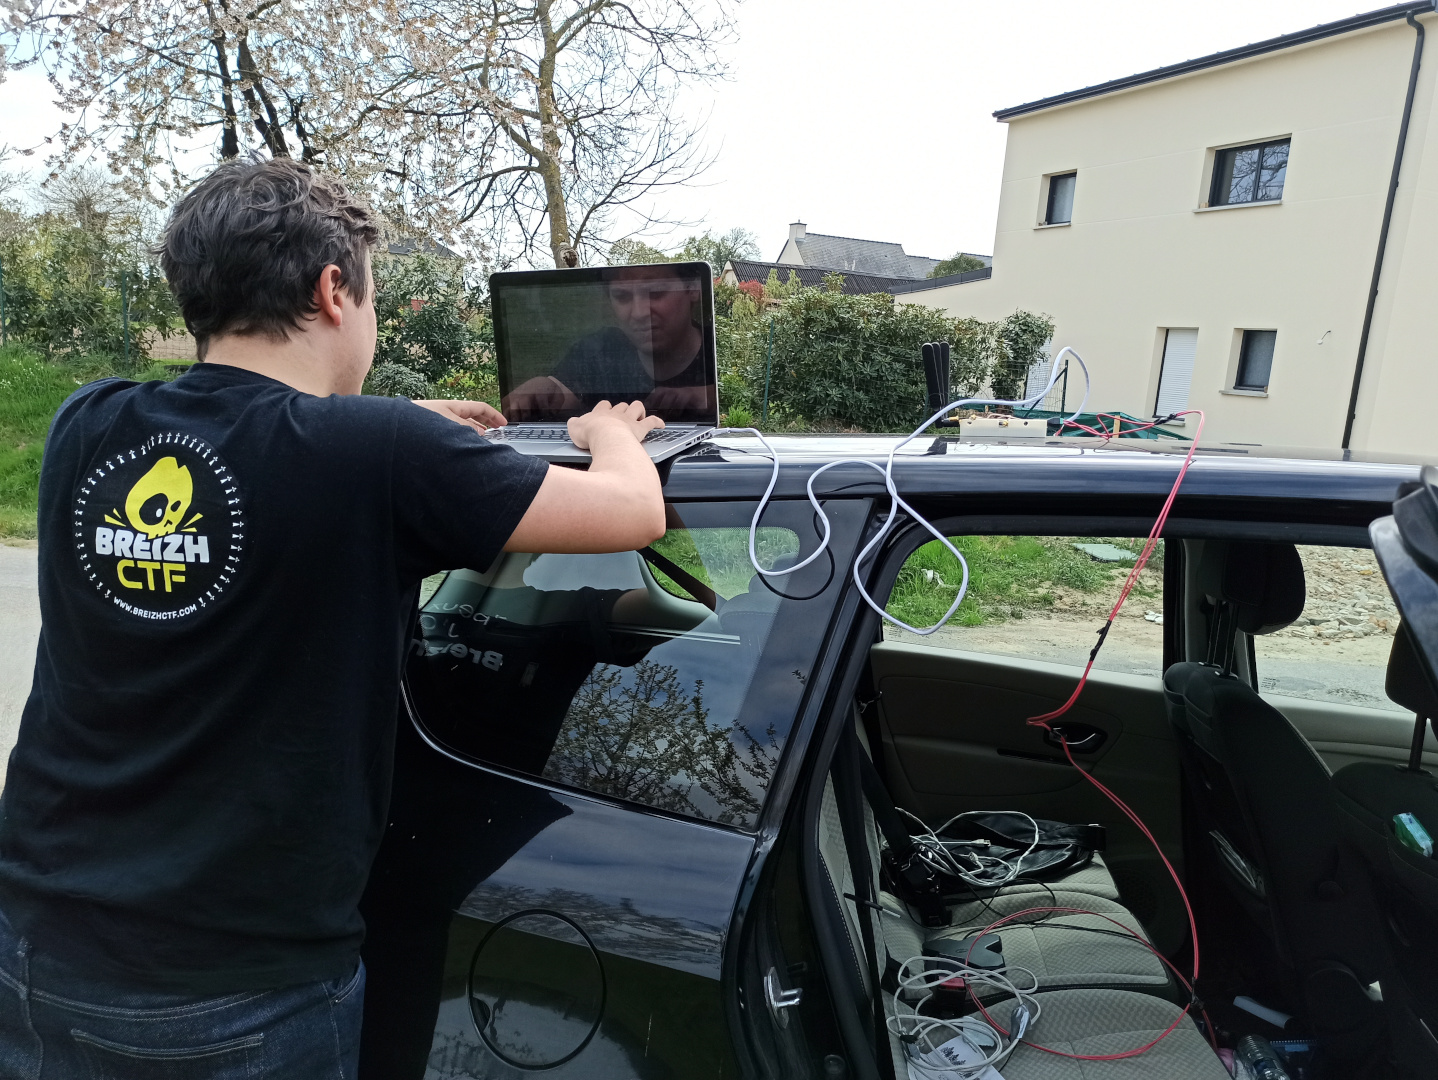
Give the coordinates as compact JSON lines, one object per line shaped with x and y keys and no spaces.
{"x":887,"y":472}
{"x":924,"y":1037}
{"x":991,"y":872}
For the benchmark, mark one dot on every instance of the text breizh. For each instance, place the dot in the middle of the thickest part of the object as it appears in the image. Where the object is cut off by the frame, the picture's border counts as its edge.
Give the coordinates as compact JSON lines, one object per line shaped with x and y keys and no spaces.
{"x":151,"y":564}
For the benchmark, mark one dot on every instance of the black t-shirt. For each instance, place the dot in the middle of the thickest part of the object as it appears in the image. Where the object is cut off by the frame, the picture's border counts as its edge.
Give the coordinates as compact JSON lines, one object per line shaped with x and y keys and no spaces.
{"x":228,"y":570}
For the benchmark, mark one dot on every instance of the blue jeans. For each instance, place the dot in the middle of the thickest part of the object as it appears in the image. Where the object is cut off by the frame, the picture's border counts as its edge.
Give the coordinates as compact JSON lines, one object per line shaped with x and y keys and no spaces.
{"x":57,"y":1024}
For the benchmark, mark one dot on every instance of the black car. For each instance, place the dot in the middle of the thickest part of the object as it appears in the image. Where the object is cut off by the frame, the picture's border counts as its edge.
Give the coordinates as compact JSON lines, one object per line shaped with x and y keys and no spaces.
{"x":634,"y":816}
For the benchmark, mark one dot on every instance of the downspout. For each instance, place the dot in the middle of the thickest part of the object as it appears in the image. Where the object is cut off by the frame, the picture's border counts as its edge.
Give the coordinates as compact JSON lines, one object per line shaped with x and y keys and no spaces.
{"x":1383,"y":231}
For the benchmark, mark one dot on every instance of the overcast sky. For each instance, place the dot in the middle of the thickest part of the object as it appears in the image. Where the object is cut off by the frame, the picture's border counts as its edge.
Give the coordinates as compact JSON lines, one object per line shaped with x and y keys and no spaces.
{"x":873,"y":118}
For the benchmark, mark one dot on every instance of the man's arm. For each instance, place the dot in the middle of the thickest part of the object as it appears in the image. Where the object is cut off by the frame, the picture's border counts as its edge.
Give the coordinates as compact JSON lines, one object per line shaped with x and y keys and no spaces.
{"x":616,"y":505}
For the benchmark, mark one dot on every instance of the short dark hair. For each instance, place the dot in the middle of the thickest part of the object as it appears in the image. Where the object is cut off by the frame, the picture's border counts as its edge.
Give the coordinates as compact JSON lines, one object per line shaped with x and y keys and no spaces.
{"x":244,"y":247}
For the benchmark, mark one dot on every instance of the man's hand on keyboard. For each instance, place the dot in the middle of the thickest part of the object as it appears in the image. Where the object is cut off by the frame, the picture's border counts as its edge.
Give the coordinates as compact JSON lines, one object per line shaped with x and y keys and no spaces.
{"x":630,"y":417}
{"x":475,"y":414}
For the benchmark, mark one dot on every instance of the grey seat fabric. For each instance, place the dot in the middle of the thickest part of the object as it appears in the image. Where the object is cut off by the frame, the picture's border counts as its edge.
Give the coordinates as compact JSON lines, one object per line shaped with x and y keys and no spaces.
{"x":1061,"y":950}
{"x":1081,"y":1021}
{"x":834,"y":859}
{"x":1099,"y":1022}
{"x":1066,"y":953}
{"x":1093,"y":879}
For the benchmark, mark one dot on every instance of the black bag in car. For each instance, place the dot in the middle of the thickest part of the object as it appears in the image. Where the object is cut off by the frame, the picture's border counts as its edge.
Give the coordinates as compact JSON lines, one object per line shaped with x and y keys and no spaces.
{"x":1060,"y":849}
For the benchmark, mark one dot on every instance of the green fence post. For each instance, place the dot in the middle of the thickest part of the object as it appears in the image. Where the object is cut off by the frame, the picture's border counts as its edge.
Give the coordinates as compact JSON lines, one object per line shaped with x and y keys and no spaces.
{"x":768,"y":364}
{"x":4,"y":339}
{"x":125,"y":314}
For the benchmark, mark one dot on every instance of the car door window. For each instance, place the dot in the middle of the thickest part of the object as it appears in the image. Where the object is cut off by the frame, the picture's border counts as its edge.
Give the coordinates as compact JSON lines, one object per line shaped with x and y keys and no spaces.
{"x":1337,"y":650}
{"x":669,"y":677}
{"x":1037,"y":598}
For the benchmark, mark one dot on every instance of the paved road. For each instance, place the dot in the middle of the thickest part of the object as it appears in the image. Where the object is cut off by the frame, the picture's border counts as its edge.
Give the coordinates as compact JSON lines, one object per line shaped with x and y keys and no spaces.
{"x":19,"y":627}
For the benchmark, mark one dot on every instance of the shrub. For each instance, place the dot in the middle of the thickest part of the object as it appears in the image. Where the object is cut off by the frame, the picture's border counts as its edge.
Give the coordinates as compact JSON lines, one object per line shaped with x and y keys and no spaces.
{"x":843,"y":362}
{"x":396,"y":380}
{"x":67,"y":286}
{"x":854,"y":361}
{"x":430,"y":324}
{"x":1020,"y":340}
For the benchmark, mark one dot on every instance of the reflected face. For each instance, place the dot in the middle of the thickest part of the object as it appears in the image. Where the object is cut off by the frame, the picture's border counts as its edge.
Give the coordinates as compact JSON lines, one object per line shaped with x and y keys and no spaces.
{"x":656,"y":316}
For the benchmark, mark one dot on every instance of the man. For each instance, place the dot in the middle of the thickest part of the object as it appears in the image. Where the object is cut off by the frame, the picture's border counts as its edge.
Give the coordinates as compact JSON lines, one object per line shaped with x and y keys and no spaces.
{"x":654,"y":350}
{"x":228,"y":568}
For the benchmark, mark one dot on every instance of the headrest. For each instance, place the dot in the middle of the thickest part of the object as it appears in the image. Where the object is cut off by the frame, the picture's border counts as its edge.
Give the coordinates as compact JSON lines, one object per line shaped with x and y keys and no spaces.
{"x":1264,"y":583}
{"x":1417,"y":516}
{"x":1409,"y":682}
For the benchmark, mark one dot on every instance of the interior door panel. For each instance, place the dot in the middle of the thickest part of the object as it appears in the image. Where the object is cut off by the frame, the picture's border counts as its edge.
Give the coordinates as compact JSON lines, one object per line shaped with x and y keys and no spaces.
{"x":955,"y":739}
{"x":1343,"y":734}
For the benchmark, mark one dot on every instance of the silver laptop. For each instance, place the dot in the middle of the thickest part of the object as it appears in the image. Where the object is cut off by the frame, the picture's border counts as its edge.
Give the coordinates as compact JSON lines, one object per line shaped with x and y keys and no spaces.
{"x":567,"y":339}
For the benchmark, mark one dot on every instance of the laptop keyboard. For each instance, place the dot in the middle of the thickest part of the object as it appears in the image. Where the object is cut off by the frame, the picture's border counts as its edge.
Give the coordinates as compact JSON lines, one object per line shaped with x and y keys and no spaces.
{"x":529,"y":433}
{"x":559,"y":434}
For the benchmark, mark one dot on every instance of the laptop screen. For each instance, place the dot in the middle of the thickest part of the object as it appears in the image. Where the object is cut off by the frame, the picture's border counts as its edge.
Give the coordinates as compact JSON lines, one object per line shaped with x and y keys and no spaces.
{"x":568,"y":339}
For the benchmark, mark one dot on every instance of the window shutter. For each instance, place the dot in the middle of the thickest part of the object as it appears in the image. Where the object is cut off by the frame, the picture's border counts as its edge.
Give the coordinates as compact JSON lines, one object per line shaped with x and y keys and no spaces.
{"x":1178,"y":350}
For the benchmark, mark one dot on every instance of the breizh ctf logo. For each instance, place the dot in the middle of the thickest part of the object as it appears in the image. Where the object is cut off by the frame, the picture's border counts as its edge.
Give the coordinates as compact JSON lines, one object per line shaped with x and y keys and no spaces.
{"x":160,"y":528}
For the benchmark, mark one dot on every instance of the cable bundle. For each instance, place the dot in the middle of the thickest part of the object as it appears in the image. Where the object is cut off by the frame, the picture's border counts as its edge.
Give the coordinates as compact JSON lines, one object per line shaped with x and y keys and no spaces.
{"x":987,"y":1045}
{"x":959,"y":858}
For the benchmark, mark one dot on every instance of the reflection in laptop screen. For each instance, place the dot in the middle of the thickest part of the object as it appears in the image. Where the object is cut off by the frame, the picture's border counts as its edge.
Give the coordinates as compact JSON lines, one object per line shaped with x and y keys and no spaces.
{"x":568,"y":339}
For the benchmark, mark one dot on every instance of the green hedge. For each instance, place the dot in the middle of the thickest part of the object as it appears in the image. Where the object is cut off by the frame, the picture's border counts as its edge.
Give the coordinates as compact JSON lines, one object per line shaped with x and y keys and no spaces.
{"x":841,"y":362}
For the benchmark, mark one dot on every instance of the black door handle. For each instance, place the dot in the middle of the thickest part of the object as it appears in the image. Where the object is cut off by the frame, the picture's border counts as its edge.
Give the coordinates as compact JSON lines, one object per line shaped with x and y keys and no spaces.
{"x":1082,"y":738}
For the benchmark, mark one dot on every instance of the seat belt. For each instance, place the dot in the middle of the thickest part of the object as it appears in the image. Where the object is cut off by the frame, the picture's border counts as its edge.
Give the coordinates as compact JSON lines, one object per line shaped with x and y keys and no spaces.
{"x":866,"y":899}
{"x":917,"y":883}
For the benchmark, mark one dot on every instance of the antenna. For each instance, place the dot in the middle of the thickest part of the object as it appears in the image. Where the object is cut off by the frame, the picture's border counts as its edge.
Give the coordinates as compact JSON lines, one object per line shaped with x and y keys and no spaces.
{"x":936,"y":378}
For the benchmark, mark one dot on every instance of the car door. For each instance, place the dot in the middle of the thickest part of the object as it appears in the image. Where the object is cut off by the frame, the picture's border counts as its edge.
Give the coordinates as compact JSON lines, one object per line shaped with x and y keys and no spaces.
{"x":950,"y":709}
{"x":577,"y":795}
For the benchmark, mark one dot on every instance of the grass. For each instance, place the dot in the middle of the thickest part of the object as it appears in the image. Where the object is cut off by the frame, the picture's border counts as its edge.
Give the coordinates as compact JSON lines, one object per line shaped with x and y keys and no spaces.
{"x":720,"y":557}
{"x":30,"y":391}
{"x":1011,"y":577}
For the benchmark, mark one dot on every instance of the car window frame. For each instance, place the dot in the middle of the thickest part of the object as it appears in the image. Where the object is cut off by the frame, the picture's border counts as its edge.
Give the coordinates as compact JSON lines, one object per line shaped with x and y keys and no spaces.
{"x":849,"y":519}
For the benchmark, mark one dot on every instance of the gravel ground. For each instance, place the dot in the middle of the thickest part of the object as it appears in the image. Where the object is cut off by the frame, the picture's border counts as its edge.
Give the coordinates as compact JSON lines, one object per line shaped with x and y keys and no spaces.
{"x":19,"y":629}
{"x":1337,"y":651}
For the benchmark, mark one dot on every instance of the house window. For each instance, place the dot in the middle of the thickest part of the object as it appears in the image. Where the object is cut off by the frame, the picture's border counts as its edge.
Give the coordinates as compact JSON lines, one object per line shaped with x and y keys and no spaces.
{"x":1249,"y":174}
{"x":1179,"y":348}
{"x":1255,"y":359}
{"x":1060,"y":209}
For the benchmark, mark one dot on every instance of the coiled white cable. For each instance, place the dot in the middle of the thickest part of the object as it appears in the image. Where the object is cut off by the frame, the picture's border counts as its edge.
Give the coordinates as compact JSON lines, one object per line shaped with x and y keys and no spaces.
{"x":992,"y":872}
{"x":887,"y":471}
{"x":924,"y":974}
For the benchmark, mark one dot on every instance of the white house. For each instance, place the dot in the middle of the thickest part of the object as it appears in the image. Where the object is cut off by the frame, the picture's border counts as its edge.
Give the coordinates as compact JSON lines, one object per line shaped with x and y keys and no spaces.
{"x":1253,"y":233}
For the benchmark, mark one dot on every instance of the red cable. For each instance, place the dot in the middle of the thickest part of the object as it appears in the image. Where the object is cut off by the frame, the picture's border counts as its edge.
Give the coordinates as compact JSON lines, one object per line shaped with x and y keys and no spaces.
{"x":1043,"y":721}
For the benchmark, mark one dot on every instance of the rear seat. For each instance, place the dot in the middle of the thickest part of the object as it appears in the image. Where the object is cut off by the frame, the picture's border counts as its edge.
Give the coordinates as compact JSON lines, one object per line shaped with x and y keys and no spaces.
{"x":1061,"y":951}
{"x":1088,"y":982}
{"x":1064,"y":951}
{"x":1097,"y":1022}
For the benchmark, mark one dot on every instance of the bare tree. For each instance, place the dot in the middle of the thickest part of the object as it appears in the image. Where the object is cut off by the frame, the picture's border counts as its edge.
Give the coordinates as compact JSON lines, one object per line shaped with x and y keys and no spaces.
{"x":519,"y":125}
{"x":568,"y":115}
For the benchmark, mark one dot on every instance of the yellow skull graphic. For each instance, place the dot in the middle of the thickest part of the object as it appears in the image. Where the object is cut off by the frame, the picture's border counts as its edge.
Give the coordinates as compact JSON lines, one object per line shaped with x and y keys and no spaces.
{"x":159,"y":499}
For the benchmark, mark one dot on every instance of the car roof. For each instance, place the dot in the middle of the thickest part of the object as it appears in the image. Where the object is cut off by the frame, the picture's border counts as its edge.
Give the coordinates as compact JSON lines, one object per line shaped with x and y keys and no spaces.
{"x":737,"y":466}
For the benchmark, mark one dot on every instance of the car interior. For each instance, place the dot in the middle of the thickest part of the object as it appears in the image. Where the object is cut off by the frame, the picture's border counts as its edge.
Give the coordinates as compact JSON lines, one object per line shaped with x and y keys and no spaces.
{"x":1267,"y":770}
